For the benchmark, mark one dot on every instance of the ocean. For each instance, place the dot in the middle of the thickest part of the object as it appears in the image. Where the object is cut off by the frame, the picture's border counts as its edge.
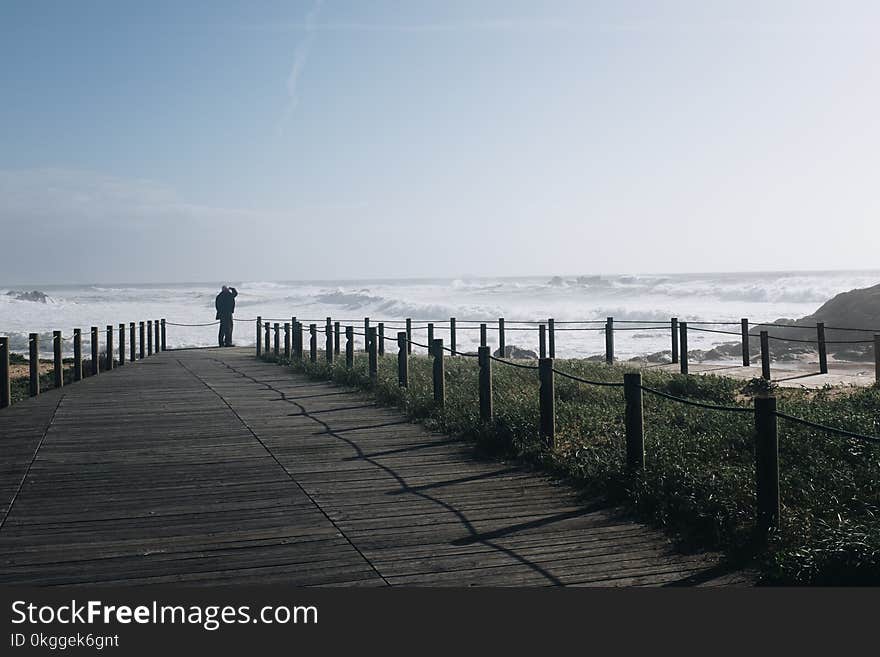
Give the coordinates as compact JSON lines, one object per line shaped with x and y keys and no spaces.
{"x":656,"y":298}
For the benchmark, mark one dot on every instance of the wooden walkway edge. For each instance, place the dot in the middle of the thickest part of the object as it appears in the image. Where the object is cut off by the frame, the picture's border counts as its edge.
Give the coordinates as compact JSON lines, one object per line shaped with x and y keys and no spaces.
{"x":211,"y":467}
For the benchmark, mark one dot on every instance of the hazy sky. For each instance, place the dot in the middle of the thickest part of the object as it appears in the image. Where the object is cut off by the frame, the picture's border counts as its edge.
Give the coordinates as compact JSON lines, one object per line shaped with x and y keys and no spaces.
{"x":162,"y":141}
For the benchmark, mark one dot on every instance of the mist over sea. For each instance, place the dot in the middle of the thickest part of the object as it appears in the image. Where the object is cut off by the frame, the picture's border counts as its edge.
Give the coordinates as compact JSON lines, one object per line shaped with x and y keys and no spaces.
{"x":693,"y":297}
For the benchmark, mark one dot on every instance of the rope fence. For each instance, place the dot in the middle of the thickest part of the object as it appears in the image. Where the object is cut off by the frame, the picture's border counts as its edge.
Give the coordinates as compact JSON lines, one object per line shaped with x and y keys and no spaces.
{"x":207,"y":324}
{"x":154,"y":334}
{"x":547,"y":332}
{"x":764,"y":408}
{"x":548,"y":329}
{"x":121,"y":342}
{"x":827,"y":429}
{"x":606,"y":384}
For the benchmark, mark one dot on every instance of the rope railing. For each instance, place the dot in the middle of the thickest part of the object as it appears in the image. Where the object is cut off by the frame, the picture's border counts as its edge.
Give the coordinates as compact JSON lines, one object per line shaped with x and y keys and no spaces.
{"x":120,"y":344}
{"x":698,"y":404}
{"x":714,"y":323}
{"x":781,"y":339}
{"x":193,"y":325}
{"x":549,"y":329}
{"x":607,"y":384}
{"x":849,"y":341}
{"x":827,"y":429}
{"x":532,"y":324}
{"x":764,"y":409}
{"x":705,"y":330}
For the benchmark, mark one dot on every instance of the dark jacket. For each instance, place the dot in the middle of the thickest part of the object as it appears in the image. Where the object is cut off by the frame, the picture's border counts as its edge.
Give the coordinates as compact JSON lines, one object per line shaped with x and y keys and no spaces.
{"x":225,"y":302}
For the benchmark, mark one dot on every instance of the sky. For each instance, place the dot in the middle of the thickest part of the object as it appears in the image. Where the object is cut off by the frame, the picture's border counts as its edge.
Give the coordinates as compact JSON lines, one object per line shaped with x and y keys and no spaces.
{"x":208,"y":140}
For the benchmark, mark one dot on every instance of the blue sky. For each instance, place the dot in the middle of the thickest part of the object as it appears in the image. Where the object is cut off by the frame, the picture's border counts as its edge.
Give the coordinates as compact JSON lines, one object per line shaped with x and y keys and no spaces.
{"x":280,"y":140}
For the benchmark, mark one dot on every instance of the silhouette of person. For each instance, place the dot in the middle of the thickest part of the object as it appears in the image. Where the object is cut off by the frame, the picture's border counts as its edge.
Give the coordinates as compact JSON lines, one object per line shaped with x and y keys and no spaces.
{"x":225,"y":305}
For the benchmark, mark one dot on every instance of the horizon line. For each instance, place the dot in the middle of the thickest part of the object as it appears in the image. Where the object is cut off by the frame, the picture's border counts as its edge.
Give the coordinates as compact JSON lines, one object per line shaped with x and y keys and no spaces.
{"x":401,"y":279}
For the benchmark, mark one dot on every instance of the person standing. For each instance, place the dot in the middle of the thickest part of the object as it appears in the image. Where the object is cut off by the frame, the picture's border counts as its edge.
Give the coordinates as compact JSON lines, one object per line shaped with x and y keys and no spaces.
{"x":225,"y":305}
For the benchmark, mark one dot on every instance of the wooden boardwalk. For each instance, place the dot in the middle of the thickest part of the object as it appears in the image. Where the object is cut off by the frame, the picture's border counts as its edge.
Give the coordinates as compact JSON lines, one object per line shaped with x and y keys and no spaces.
{"x":211,"y":467}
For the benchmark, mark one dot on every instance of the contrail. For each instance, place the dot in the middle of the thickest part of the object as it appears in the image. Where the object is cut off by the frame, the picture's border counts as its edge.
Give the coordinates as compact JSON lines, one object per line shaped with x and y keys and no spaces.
{"x":301,"y":55}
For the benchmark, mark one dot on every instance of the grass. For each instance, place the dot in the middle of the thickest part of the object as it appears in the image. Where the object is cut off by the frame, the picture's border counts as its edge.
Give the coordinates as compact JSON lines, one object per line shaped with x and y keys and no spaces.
{"x":699,"y":478}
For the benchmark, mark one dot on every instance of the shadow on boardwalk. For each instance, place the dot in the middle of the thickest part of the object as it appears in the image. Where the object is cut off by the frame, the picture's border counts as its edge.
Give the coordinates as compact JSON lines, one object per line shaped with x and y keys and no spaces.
{"x":209,"y":466}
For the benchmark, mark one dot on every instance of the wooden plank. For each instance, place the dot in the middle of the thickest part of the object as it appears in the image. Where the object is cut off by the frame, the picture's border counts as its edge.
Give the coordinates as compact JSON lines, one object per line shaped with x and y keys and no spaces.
{"x":211,"y":467}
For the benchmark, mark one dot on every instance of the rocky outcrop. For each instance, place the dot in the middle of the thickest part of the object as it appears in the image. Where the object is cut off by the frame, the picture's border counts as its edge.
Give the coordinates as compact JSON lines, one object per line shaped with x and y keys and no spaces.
{"x":35,"y":295}
{"x":856,"y":309}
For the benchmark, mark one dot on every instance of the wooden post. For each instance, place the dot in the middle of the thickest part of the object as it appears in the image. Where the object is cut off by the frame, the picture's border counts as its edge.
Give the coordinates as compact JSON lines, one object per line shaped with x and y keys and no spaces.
{"x":109,"y":355}
{"x":683,"y":352}
{"x":266,"y":338}
{"x":349,"y":347}
{"x":149,"y":337}
{"x":298,"y":340}
{"x":156,"y":330}
{"x":259,"y":337}
{"x":439,"y":373}
{"x":328,"y":340}
{"x":142,"y":340}
{"x":402,"y":360}
{"x":313,"y":343}
{"x":452,"y":335}
{"x":674,"y":324}
{"x":96,"y":367}
{"x":293,"y":329}
{"x":765,"y":355}
{"x":366,"y":333}
{"x":551,"y":338}
{"x":164,"y":347}
{"x":486,"y":411}
{"x":58,"y":362}
{"x":542,"y":341}
{"x":408,"y":335}
{"x":766,"y":465}
{"x":609,"y":340}
{"x":336,"y":338}
{"x":77,"y":355}
{"x":635,"y":428}
{"x":744,"y":329}
{"x":501,"y":341}
{"x":287,"y":340}
{"x":276,"y":339}
{"x":484,"y":342}
{"x":877,"y":357}
{"x":823,"y":350}
{"x":5,"y":386}
{"x":547,"y":403}
{"x":374,"y":354}
{"x":430,"y":338}
{"x":381,"y":338}
{"x":121,"y":345}
{"x":34,"y":363}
